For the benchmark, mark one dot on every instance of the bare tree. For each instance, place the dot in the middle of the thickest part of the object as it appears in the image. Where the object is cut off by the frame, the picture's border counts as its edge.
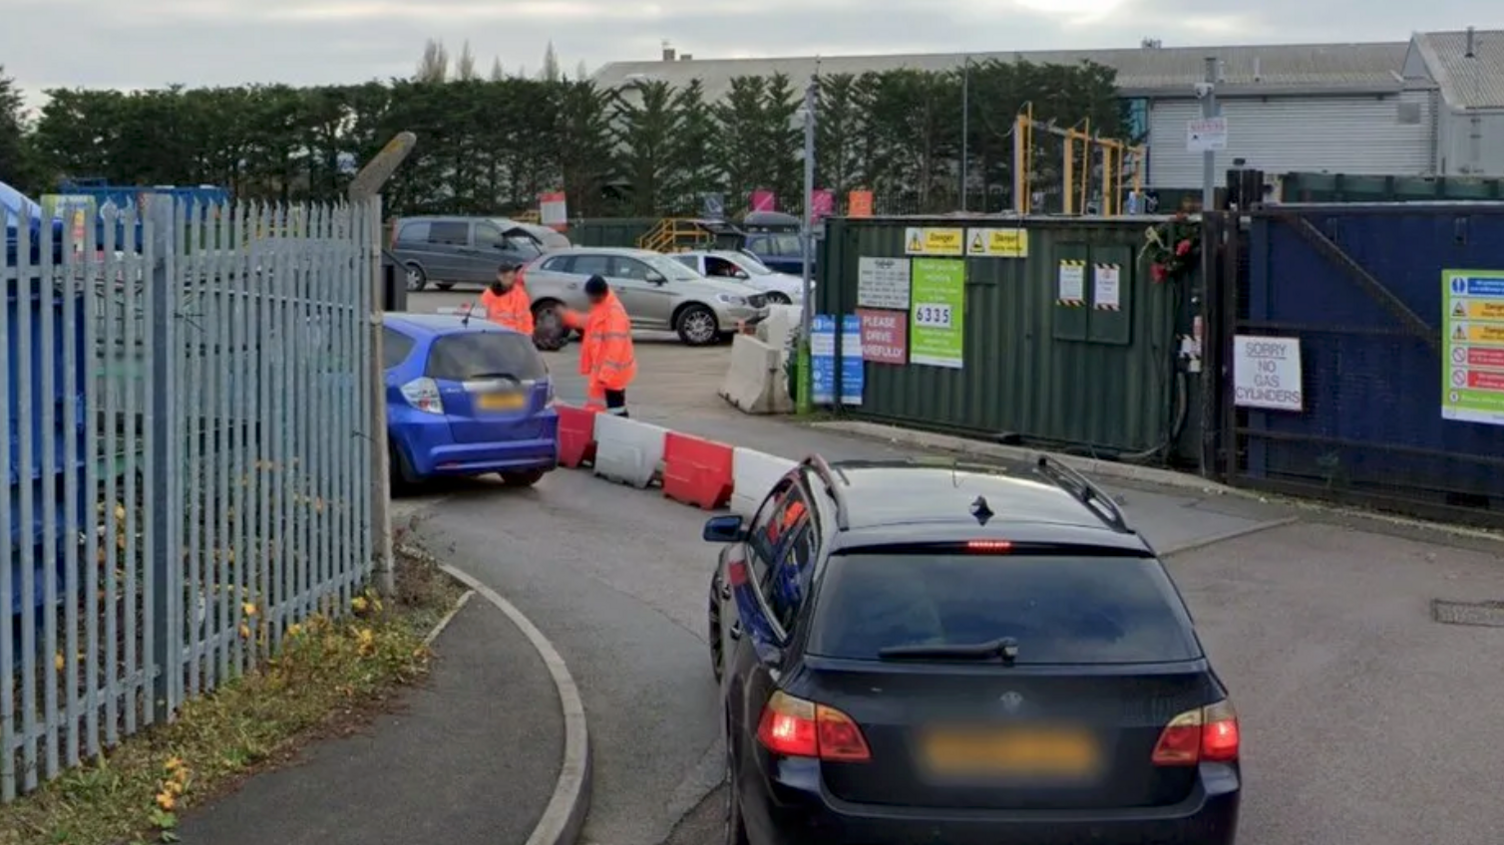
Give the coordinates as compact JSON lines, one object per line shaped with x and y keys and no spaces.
{"x":498,"y":73}
{"x":434,"y":66}
{"x":550,"y":70}
{"x":464,"y":68}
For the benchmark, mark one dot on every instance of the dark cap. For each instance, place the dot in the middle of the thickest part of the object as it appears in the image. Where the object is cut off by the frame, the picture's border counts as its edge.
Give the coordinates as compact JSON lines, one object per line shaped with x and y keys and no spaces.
{"x":508,"y":265}
{"x":596,"y":286}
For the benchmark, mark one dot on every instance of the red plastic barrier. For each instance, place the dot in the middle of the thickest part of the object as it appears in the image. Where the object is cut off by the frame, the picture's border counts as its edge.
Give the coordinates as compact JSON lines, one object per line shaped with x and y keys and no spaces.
{"x":576,"y":436}
{"x":696,"y":471}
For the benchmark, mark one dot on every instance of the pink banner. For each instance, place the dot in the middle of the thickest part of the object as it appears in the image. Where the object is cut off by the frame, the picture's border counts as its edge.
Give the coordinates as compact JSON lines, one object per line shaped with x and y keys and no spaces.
{"x":764,"y":200}
{"x":822,"y":203}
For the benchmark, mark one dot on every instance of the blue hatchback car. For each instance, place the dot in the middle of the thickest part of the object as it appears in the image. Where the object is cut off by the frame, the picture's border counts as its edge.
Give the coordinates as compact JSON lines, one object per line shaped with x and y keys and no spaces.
{"x":466,"y":397}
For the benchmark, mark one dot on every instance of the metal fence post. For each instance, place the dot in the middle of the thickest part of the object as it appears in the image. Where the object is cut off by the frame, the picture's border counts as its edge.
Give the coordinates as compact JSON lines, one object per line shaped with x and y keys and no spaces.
{"x":364,"y":191}
{"x":162,"y":469}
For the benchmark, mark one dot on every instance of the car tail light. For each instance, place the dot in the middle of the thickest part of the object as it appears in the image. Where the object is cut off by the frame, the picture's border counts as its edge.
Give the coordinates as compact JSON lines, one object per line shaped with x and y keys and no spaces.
{"x":793,"y":727}
{"x":995,"y":547}
{"x":1204,"y":735}
{"x":423,"y":394}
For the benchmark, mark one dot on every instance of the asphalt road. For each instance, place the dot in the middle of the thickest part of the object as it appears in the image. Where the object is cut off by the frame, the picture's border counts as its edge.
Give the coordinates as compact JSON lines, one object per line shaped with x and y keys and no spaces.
{"x":1365,"y":721}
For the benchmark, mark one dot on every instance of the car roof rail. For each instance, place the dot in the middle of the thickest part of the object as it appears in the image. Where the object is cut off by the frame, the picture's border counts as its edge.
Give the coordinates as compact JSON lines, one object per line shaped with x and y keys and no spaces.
{"x":1084,"y":491}
{"x":833,"y":485}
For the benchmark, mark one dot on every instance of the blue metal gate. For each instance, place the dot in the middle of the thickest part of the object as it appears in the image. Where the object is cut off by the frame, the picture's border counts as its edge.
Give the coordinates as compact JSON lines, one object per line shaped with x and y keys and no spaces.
{"x":1360,"y":288}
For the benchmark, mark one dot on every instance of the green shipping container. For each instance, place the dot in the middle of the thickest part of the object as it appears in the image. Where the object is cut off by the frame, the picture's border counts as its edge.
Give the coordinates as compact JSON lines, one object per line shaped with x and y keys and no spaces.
{"x":610,"y":231}
{"x":1340,"y":187}
{"x":1051,"y":351}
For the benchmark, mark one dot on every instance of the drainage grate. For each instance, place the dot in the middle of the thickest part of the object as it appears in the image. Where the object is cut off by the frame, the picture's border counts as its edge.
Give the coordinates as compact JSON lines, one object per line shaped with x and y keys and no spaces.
{"x":1482,"y":614}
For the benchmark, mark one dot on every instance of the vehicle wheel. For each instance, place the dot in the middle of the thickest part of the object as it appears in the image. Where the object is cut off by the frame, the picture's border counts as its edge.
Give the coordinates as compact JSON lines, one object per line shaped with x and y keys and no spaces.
{"x":717,"y":658}
{"x":525,"y":478}
{"x":444,"y":285}
{"x":697,"y":326}
{"x":417,"y":280}
{"x":736,"y":826}
{"x":776,"y":298}
{"x":549,"y":334}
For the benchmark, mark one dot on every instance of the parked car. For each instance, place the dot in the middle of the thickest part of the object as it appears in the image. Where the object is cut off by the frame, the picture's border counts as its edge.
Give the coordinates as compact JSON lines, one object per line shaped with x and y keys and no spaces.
{"x":779,"y":251}
{"x":918,"y":653}
{"x":657,"y":291}
{"x":449,"y":251}
{"x":466,"y":397}
{"x":780,"y":288}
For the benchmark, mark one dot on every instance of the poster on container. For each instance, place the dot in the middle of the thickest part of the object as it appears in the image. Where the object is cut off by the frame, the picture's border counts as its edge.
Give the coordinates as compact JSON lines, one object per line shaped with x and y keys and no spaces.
{"x":1472,"y":386}
{"x":822,"y":359}
{"x":938,"y":294}
{"x":882,"y":282}
{"x":852,"y":373}
{"x":885,"y":336}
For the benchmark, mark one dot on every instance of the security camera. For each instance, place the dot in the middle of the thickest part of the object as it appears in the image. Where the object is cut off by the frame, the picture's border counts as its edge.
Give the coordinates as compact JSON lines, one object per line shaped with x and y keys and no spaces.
{"x":1204,"y":90}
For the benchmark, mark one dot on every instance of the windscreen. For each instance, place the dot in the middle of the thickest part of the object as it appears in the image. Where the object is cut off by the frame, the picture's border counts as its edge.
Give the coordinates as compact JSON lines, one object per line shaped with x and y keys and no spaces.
{"x":1059,"y":610}
{"x":484,"y":355}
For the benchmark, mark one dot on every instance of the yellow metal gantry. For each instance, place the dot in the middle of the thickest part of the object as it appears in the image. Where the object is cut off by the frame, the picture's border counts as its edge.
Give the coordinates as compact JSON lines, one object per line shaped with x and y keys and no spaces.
{"x":1116,"y":156}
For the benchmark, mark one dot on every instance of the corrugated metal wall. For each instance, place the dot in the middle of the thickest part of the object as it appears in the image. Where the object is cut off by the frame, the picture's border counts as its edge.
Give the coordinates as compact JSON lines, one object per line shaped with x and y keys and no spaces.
{"x":1368,"y":135}
{"x":1033,"y":369}
{"x":610,"y":231}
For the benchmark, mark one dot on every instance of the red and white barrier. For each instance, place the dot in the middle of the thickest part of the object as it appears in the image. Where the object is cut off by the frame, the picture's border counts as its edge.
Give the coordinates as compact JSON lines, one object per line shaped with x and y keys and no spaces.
{"x":694,"y":470}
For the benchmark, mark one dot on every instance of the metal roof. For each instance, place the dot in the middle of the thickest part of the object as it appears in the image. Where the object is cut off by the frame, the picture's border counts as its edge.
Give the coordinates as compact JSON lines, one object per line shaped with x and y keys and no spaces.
{"x":1467,"y":82}
{"x":1274,"y":69}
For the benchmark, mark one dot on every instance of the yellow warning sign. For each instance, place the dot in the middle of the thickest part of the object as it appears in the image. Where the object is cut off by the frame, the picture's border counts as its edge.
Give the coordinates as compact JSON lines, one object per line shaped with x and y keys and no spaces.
{"x":998,"y":243}
{"x":1479,"y":309}
{"x":926,"y":241}
{"x":1479,"y":334}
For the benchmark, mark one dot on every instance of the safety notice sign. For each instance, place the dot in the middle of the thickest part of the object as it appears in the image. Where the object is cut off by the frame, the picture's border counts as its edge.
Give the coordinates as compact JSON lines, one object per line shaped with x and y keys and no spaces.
{"x":936,"y":317}
{"x":1472,"y":386}
{"x":926,"y":241}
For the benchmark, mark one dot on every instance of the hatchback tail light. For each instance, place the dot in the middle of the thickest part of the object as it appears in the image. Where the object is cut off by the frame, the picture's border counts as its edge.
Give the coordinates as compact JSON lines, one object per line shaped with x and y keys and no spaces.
{"x":793,"y":727}
{"x":423,"y":395}
{"x":1204,"y":735}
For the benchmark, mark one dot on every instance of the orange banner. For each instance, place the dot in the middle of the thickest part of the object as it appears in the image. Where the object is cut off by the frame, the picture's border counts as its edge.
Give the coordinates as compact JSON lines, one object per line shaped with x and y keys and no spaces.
{"x":859,"y":204}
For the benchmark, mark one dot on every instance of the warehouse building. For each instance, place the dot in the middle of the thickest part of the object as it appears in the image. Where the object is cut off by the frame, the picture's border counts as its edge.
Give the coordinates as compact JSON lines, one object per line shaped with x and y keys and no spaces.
{"x":1418,"y":108}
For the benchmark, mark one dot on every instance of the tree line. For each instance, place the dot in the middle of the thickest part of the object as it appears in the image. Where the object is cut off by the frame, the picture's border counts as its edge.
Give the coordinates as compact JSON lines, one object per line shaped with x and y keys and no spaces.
{"x":491,"y":145}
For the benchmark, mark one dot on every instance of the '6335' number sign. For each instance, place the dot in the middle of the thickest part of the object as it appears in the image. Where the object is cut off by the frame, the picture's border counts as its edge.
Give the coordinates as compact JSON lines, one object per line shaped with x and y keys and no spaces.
{"x":932,"y":316}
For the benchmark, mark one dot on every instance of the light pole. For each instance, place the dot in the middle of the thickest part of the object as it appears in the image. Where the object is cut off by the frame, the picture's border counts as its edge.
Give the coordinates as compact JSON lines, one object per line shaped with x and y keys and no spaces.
{"x":806,"y":378}
{"x":965,"y":126}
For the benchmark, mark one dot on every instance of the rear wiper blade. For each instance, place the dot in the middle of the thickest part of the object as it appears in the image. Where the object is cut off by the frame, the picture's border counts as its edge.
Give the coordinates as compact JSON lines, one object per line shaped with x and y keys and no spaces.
{"x":1003,"y":648}
{"x":506,"y":376}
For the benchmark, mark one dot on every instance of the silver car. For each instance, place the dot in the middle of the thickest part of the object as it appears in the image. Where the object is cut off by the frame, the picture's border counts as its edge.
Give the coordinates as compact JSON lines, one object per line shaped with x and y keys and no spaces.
{"x":779,"y":288}
{"x":658,"y":292}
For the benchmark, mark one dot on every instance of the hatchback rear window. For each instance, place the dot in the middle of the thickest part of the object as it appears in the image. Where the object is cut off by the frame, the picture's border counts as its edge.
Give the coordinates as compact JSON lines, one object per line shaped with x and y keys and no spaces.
{"x":481,"y":355}
{"x":1059,"y":610}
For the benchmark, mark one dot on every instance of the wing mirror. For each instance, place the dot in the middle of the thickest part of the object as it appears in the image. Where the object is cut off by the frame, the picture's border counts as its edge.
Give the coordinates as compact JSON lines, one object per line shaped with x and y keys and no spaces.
{"x":724,"y":529}
{"x":655,"y":277}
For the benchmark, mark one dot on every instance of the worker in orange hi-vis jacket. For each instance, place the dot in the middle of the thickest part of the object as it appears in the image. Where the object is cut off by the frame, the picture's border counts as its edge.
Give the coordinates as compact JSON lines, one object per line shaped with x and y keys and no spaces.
{"x":506,"y":303}
{"x":606,"y":357}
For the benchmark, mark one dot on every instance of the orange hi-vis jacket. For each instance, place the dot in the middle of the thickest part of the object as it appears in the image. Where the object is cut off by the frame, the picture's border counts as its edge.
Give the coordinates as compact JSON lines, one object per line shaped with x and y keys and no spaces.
{"x":606,"y":356}
{"x":512,"y":310}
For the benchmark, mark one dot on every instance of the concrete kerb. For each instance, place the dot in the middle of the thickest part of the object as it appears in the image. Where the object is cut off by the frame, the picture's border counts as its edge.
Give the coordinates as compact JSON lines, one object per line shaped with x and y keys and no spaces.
{"x":564,"y":816}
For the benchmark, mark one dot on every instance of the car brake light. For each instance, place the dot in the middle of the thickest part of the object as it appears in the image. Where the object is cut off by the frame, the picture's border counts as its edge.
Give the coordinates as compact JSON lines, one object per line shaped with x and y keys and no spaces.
{"x":996,"y":547}
{"x":423,"y":394}
{"x":793,"y":727}
{"x":1204,"y":735}
{"x":736,"y":572}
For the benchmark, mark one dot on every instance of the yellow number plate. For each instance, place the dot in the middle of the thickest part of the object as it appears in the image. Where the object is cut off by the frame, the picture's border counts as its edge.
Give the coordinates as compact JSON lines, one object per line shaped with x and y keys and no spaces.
{"x":502,"y":401}
{"x":1041,"y":752}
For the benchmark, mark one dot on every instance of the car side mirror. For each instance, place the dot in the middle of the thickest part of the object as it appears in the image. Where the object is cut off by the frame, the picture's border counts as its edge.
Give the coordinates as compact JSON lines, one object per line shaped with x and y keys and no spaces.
{"x":724,"y":529}
{"x":654,"y":277}
{"x":741,"y":274}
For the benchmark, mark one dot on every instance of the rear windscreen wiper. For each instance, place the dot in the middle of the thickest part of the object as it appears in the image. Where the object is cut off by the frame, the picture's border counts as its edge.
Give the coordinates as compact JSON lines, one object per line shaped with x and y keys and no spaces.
{"x":1003,"y":648}
{"x":505,"y":376}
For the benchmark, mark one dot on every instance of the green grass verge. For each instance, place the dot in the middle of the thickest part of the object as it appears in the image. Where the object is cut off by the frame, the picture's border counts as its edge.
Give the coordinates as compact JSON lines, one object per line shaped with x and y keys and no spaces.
{"x":330,"y":676}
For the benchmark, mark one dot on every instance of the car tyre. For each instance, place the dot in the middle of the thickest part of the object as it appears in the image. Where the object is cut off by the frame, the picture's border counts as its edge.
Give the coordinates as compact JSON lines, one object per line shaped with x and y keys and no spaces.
{"x":400,"y":477}
{"x":736,"y":824}
{"x":522,"y":478}
{"x":697,"y":326}
{"x":417,"y":280}
{"x":549,"y":333}
{"x":717,"y":648}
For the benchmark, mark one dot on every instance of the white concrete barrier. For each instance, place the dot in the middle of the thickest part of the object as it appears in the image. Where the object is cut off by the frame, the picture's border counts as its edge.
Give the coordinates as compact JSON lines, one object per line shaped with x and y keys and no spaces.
{"x":753,"y":475}
{"x":627,"y":450}
{"x":754,"y":378}
{"x":781,"y":324}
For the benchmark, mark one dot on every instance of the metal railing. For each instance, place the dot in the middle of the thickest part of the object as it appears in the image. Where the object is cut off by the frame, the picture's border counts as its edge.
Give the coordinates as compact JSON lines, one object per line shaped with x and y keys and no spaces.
{"x":189,"y":469}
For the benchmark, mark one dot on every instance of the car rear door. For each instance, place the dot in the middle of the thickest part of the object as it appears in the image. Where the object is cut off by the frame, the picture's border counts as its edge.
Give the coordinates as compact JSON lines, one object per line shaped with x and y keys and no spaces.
{"x":447,"y":242}
{"x":1106,"y":658}
{"x":649,"y":304}
{"x":493,"y":384}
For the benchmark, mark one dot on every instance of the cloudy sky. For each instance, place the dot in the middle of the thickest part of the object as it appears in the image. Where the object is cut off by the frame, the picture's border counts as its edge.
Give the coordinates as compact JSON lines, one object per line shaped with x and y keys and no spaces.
{"x":147,"y":43}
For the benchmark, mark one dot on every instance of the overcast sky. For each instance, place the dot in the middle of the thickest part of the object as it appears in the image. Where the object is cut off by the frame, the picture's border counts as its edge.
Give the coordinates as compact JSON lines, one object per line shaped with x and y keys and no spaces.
{"x":149,"y":43}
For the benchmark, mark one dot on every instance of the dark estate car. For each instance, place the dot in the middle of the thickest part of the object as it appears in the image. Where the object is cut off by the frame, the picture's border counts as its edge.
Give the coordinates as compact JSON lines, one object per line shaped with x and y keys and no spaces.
{"x":948,"y":654}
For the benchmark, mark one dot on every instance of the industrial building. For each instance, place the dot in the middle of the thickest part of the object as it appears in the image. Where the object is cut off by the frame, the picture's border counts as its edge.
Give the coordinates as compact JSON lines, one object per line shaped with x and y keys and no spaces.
{"x":1432,"y":106}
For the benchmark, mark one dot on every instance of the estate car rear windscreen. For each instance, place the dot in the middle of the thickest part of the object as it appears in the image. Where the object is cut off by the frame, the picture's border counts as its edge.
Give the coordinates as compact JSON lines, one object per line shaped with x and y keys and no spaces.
{"x":1059,"y":610}
{"x":484,"y":355}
